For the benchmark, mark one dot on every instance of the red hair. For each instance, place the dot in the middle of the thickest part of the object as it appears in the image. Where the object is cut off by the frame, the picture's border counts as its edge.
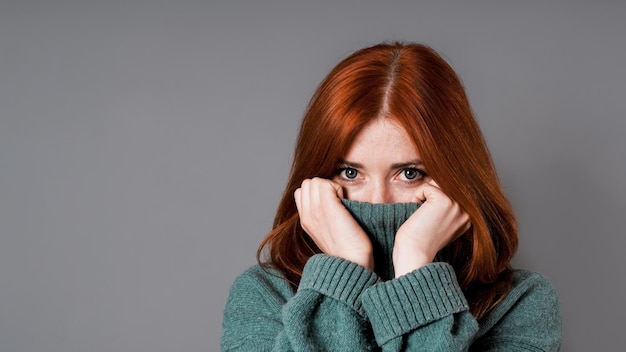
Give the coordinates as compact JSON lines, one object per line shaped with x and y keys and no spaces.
{"x":413,"y":85}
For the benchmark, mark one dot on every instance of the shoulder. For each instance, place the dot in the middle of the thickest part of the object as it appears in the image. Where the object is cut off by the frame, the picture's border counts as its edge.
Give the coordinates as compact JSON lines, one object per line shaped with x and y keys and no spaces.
{"x":532,"y":290}
{"x":260,"y":284}
{"x":533,"y":284}
{"x":530,"y":308}
{"x":531,"y":295}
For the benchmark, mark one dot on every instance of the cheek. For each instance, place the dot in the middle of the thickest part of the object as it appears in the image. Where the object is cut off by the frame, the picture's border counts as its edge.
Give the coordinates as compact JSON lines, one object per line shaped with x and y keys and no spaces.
{"x":389,"y":194}
{"x":403,"y":195}
{"x":353,"y":193}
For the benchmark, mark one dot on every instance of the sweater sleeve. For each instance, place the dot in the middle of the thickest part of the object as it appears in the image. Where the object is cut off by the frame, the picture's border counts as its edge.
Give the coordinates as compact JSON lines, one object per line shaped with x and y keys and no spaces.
{"x":325,"y":313}
{"x":426,"y":310}
{"x":341,"y":306}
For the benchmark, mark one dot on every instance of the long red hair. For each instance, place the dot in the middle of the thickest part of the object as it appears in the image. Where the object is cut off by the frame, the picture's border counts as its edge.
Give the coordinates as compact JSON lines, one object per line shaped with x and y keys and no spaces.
{"x":413,"y":85}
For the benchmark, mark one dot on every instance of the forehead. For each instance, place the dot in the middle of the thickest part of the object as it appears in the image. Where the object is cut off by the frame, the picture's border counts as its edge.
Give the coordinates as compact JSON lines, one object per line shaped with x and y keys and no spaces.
{"x":385,"y":139}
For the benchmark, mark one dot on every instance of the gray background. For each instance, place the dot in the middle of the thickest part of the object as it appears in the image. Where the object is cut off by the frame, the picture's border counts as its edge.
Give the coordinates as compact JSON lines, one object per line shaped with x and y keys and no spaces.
{"x":144,"y":146}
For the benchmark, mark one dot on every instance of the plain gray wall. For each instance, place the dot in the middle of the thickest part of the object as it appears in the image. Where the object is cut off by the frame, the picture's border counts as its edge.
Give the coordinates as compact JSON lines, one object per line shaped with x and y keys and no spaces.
{"x":144,"y":146}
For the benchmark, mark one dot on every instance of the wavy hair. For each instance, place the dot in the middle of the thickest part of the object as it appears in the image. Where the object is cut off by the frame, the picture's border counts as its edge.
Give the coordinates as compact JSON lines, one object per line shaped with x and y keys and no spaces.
{"x":411,"y":84}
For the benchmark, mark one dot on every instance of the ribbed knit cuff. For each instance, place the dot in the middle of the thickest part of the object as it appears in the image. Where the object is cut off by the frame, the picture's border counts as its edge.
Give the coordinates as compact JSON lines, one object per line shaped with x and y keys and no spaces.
{"x":337,"y":278}
{"x":401,"y":305}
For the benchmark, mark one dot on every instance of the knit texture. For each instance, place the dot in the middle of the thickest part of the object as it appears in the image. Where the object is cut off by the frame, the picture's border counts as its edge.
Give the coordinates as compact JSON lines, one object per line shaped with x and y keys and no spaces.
{"x":342,"y":306}
{"x":381,"y":223}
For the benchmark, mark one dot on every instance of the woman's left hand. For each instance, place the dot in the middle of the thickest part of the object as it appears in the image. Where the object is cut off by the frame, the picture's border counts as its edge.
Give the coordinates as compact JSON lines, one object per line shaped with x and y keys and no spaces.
{"x":437,"y":222}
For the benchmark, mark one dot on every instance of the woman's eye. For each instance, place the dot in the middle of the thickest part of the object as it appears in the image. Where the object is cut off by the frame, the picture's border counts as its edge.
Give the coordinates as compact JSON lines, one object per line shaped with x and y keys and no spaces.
{"x":350,"y":173}
{"x":412,"y":174}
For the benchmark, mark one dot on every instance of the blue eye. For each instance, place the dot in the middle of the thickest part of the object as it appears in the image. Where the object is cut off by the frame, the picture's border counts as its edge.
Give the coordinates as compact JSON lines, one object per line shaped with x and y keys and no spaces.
{"x":350,"y":173}
{"x":412,"y":174}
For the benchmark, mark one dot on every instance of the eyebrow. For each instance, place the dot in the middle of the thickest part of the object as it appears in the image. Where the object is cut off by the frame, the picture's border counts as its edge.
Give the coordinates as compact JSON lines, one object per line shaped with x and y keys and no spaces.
{"x":354,"y":165}
{"x":415,"y":162}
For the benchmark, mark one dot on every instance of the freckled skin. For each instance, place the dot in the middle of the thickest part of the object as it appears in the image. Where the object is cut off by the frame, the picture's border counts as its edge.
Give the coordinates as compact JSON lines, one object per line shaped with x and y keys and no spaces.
{"x":381,"y":145}
{"x":381,"y":166}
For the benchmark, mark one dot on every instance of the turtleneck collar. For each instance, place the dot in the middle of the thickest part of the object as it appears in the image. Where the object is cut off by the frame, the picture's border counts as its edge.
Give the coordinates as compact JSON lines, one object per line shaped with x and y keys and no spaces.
{"x":381,"y":222}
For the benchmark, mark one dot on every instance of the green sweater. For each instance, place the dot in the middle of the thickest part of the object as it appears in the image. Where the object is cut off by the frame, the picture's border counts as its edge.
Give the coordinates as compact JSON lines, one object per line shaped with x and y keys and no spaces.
{"x":342,"y":306}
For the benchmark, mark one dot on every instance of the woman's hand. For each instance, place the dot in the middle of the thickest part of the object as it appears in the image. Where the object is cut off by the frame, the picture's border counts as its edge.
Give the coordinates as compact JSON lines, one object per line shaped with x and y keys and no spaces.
{"x":434,"y":225}
{"x":329,"y":224}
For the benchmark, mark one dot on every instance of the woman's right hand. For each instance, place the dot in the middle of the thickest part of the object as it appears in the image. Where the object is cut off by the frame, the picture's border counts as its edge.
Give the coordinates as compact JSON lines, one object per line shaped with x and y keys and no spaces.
{"x":329,"y":224}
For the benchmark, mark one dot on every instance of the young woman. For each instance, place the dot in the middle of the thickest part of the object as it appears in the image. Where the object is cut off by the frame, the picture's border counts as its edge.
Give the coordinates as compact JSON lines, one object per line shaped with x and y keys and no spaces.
{"x":393,"y":233}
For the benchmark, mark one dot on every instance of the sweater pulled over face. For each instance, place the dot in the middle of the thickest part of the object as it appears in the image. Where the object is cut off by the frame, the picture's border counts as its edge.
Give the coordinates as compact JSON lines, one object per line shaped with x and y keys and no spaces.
{"x":381,"y":223}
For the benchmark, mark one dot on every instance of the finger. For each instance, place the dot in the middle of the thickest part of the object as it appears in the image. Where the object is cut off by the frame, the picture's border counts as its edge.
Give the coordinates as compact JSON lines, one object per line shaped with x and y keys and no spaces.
{"x":325,"y":190}
{"x":305,"y":197}
{"x":297,"y":196}
{"x":425,"y":191}
{"x":314,"y":191}
{"x":338,"y":189}
{"x":468,"y":226}
{"x":468,"y":222}
{"x":330,"y":189}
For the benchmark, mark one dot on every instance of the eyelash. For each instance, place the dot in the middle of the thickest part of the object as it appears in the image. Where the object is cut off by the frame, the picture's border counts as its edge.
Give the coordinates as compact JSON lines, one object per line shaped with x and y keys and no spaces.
{"x":341,"y":171}
{"x":421,"y":174}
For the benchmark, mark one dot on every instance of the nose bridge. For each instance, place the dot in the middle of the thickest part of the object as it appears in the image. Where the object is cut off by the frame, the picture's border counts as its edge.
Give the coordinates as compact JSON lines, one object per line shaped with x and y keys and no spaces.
{"x":379,"y":192}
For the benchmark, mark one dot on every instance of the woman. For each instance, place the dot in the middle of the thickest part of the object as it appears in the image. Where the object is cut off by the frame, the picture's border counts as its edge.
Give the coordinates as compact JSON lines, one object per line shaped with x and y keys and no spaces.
{"x":393,"y":233}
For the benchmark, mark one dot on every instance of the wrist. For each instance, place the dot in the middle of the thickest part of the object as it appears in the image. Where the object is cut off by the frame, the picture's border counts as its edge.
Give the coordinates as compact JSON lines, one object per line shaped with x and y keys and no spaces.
{"x":365,"y":260}
{"x":407,"y":259}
